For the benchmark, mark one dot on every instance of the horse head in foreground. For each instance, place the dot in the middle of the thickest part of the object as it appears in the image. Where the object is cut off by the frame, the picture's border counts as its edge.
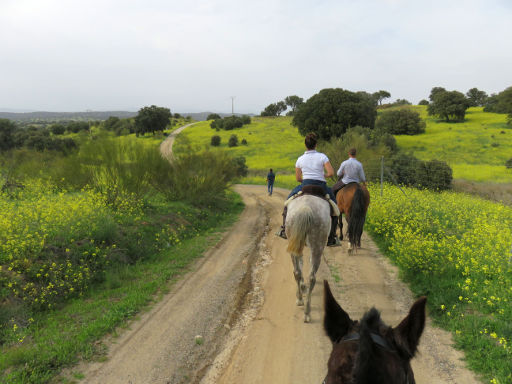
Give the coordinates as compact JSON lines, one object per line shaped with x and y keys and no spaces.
{"x":308,"y":219}
{"x":369,"y":351}
{"x":353,"y":200}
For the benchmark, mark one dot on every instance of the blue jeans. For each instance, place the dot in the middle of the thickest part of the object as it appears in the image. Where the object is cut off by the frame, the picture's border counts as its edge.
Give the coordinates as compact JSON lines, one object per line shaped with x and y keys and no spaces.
{"x":313,"y":182}
{"x":270,"y":187}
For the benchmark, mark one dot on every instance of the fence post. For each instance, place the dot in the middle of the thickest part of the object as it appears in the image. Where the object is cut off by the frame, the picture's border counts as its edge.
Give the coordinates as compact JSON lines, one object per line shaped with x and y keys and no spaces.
{"x":381,"y":174}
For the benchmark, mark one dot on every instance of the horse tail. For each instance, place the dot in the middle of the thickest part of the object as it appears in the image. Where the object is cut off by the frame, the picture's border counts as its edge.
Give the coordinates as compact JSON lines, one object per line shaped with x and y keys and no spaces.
{"x":298,"y":229}
{"x":357,"y":217}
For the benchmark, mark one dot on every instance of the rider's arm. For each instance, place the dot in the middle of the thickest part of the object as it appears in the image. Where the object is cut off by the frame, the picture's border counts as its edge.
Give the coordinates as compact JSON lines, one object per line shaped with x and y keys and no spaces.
{"x":298,"y":174}
{"x":328,"y":169}
{"x":340,"y":170}
{"x":362,"y":176}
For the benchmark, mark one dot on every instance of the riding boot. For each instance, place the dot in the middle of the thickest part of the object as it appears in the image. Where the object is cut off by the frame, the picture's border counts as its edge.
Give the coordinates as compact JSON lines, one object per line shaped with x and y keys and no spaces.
{"x":282,"y":232}
{"x":333,"y":240}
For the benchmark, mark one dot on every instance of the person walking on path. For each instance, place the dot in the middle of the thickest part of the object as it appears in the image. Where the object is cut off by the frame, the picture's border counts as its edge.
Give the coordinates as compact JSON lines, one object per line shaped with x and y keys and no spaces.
{"x":271,"y":176}
{"x":350,"y":171}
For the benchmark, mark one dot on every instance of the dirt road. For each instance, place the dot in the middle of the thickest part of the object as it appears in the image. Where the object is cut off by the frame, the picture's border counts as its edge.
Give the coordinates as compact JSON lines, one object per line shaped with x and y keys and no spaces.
{"x":166,"y":145}
{"x":241,"y":299}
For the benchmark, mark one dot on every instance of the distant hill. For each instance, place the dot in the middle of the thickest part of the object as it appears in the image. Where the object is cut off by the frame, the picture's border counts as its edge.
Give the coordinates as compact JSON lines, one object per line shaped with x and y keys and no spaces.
{"x":42,"y":116}
{"x":64,"y":116}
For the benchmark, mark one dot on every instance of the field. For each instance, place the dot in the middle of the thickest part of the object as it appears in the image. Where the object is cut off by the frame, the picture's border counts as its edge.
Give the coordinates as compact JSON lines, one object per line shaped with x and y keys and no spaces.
{"x":476,"y":149}
{"x":271,"y":143}
{"x":456,"y":249}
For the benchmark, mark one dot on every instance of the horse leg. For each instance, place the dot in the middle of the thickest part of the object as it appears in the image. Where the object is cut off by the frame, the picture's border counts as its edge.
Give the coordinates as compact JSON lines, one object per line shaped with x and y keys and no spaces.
{"x":316,"y":257}
{"x":340,"y":222}
{"x":350,"y":245}
{"x":297,"y":272}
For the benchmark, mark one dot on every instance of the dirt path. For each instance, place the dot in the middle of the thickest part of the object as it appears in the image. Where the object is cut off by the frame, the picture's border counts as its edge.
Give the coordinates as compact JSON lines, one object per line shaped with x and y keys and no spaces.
{"x":166,"y":146}
{"x":240,"y":298}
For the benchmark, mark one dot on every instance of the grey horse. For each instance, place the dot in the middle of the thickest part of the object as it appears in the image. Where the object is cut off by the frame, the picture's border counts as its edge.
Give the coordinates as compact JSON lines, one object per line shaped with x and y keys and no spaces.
{"x":308,"y":220}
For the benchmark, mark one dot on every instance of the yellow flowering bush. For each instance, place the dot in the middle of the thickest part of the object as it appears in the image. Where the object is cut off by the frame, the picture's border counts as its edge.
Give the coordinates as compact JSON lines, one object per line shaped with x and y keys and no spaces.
{"x":47,"y":242}
{"x":458,"y":249}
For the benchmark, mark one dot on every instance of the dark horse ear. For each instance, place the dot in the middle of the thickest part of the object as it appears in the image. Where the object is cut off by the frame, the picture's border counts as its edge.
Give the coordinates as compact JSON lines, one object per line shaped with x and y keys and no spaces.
{"x":336,"y":321}
{"x":408,"y":332}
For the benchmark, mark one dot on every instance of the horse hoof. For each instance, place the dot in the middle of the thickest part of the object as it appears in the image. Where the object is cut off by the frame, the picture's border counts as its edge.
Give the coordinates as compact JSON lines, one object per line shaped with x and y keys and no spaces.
{"x":299,"y":303}
{"x":307,"y":318}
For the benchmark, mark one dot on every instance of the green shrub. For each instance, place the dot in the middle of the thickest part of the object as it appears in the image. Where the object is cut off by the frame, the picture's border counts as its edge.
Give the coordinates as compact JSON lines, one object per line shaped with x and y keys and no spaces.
{"x":233,"y":141}
{"x":198,"y":178}
{"x":410,"y":171}
{"x":111,"y":123}
{"x":243,"y":142}
{"x":241,"y":167}
{"x":77,"y":126}
{"x":508,"y":163}
{"x":404,"y":168}
{"x":215,"y":141}
{"x":229,"y":123}
{"x":58,"y":129}
{"x":435,"y":175}
{"x":7,"y":130}
{"x":402,"y":121}
{"x":213,"y":116}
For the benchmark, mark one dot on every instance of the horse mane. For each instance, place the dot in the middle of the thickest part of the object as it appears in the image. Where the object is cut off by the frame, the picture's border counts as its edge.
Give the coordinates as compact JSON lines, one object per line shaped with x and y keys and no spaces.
{"x":366,"y":370}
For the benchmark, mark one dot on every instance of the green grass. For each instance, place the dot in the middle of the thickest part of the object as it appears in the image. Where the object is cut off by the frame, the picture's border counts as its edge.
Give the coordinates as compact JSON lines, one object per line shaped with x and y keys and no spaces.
{"x":476,"y":149}
{"x":59,"y":338}
{"x":271,"y":143}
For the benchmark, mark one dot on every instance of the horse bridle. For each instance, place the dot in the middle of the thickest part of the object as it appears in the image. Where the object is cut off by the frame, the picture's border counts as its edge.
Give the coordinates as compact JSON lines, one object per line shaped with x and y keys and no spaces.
{"x":377,"y":339}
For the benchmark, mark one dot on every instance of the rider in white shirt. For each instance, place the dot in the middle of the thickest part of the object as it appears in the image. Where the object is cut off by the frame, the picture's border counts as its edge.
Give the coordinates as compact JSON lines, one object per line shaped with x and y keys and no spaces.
{"x":309,"y":170}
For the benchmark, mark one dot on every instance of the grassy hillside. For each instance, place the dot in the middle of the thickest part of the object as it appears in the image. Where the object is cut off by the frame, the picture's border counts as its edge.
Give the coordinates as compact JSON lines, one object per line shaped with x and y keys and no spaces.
{"x":271,"y":143}
{"x":476,"y":149}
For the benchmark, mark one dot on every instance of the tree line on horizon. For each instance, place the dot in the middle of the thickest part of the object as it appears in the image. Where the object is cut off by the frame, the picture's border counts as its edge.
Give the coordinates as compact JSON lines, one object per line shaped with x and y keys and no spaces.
{"x":444,"y":104}
{"x":342,"y":118}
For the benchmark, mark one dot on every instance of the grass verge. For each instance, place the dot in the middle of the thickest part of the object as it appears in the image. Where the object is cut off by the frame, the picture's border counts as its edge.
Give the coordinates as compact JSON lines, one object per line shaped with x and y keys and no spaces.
{"x":59,"y":338}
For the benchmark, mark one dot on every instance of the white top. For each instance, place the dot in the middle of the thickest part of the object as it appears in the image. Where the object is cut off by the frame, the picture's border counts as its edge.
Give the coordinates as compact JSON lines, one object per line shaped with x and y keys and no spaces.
{"x":352,"y":171}
{"x":311,"y":164}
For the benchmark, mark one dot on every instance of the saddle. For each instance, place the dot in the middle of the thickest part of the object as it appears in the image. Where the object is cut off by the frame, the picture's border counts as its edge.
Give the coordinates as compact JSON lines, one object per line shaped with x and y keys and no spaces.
{"x":315,"y":190}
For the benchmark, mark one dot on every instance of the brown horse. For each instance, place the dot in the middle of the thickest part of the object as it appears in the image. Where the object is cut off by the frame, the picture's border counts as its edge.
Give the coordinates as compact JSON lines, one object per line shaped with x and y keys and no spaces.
{"x":370,"y":352}
{"x":353,"y":200}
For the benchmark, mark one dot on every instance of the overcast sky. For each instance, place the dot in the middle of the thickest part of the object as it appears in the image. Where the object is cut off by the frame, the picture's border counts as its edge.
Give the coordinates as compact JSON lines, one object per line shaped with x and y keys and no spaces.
{"x":193,"y":55}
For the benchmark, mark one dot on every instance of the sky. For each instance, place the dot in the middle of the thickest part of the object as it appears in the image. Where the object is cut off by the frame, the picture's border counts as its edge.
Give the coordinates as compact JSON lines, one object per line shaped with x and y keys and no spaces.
{"x":198,"y":55}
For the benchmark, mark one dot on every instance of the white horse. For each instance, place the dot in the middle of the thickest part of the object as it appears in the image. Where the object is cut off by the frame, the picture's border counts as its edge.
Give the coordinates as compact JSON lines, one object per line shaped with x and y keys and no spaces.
{"x":308,"y":220}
